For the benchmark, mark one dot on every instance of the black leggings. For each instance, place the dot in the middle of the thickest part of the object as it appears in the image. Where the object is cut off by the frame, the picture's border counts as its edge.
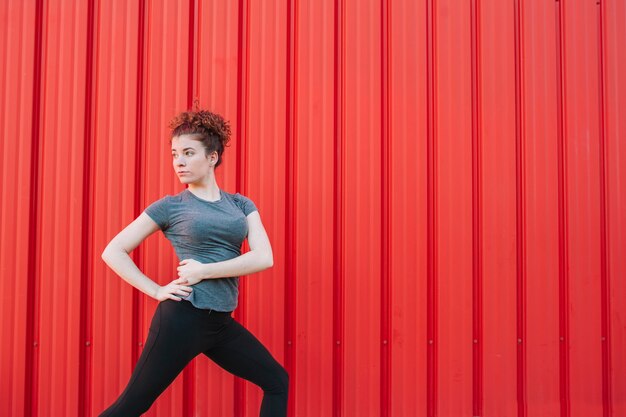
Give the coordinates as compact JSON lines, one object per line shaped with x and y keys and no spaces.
{"x":178,"y":333}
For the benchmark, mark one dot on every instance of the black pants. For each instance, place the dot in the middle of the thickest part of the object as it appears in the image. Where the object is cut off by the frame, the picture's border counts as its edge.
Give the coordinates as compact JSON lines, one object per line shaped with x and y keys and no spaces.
{"x":178,"y":333}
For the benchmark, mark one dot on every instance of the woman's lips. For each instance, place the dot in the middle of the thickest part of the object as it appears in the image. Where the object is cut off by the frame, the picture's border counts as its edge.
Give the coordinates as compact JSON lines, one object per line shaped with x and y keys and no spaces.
{"x":183,"y":173}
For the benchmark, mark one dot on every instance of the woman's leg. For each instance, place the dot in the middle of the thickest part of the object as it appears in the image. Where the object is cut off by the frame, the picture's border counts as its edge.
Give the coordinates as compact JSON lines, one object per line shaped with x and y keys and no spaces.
{"x":169,"y":348}
{"x":240,"y":353}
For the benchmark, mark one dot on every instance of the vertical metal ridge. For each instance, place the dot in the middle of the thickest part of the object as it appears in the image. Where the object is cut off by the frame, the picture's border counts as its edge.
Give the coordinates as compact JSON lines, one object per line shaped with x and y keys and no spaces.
{"x":385,"y":353}
{"x":242,"y":86}
{"x":189,"y":373}
{"x":291,"y":169}
{"x":431,"y":258}
{"x":385,"y":294}
{"x":338,"y":215}
{"x":243,"y":43}
{"x":31,"y":379}
{"x":562,"y":203}
{"x":520,"y":187}
{"x":477,"y":226}
{"x":137,"y":254}
{"x":604,"y":229}
{"x":192,"y":54}
{"x":86,"y":264}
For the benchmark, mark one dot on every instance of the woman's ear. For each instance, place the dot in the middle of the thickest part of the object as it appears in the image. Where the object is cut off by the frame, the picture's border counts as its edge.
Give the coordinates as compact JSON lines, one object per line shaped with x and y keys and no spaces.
{"x":213,"y":158}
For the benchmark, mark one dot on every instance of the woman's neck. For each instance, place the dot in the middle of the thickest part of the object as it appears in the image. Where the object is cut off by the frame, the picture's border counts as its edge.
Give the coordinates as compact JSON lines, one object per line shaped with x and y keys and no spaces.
{"x":208,"y":191}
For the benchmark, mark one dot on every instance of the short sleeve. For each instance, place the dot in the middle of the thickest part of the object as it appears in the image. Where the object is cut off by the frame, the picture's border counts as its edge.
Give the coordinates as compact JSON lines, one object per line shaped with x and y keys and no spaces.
{"x":159,"y":212}
{"x":246,"y":205}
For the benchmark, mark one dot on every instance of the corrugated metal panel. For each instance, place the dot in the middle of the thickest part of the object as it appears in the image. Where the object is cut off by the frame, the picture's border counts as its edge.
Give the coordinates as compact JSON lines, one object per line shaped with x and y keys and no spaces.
{"x":499,"y":201}
{"x":612,"y":31}
{"x":408,"y":209}
{"x":582,"y":217}
{"x":541,"y":212}
{"x":450,"y":306}
{"x":115,"y":175}
{"x":18,"y":41}
{"x":55,"y":298}
{"x":313,"y":170}
{"x":442,"y":183}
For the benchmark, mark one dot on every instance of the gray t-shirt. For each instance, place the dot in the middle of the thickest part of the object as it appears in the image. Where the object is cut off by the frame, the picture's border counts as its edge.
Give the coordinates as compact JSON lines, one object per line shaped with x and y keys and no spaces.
{"x":207,"y":231}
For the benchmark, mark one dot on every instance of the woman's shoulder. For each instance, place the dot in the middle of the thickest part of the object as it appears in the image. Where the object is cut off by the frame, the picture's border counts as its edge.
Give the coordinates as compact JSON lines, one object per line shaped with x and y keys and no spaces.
{"x":237,"y":197}
{"x":243,"y":202}
{"x":234,"y":195}
{"x":159,"y":210}
{"x":168,"y":199}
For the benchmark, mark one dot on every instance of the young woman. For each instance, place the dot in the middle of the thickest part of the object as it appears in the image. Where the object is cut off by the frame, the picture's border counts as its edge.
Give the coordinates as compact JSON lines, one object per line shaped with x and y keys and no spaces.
{"x":206,"y":227}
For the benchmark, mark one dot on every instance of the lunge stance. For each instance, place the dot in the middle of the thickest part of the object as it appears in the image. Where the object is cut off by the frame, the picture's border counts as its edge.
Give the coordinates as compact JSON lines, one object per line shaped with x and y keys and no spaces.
{"x":206,"y":226}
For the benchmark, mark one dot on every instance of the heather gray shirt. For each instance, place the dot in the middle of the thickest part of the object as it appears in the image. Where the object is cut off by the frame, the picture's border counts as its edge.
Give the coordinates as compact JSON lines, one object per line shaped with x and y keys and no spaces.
{"x":207,"y":231}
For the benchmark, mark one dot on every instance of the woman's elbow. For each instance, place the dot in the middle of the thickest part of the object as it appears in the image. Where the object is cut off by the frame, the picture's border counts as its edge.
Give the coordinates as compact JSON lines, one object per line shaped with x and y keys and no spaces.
{"x":268,"y":260}
{"x":106,"y":254}
{"x":109,"y":251}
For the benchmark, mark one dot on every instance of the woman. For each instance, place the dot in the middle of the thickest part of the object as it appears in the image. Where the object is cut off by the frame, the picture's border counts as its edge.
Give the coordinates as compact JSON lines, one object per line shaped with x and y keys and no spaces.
{"x":206,"y":227}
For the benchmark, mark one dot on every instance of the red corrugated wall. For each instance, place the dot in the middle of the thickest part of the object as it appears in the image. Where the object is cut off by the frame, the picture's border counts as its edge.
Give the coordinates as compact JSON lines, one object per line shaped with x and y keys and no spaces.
{"x":443,"y":183}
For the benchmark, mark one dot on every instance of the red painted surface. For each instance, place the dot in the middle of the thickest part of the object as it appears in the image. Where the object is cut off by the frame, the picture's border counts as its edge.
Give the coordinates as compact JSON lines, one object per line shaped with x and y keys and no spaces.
{"x":442,"y":182}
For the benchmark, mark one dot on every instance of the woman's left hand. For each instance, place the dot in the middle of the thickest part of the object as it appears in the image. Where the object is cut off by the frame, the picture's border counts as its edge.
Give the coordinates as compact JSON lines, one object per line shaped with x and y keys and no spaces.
{"x":191,"y":270}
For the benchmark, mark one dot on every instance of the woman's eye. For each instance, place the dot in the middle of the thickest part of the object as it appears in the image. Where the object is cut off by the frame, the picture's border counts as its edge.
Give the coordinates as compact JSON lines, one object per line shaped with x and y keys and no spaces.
{"x":189,"y":153}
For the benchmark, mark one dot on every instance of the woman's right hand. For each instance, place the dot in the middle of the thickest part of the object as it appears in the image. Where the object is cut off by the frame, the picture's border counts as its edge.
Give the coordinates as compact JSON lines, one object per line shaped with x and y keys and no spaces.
{"x":172,"y":289}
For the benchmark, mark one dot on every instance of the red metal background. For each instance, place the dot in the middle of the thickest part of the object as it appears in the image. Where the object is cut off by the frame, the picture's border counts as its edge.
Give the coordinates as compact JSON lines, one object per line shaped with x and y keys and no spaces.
{"x":443,"y":183}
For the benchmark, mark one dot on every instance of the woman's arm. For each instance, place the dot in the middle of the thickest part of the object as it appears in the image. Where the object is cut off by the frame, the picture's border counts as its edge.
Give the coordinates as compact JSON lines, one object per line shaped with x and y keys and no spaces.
{"x":115,"y":255}
{"x":259,"y":257}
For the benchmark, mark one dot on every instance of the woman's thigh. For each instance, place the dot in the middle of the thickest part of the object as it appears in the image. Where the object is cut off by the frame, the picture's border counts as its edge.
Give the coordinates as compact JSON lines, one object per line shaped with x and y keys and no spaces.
{"x":239,"y":352}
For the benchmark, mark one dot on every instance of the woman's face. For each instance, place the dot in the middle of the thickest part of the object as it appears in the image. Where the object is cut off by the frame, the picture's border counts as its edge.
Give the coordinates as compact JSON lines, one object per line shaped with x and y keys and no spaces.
{"x":189,"y":160}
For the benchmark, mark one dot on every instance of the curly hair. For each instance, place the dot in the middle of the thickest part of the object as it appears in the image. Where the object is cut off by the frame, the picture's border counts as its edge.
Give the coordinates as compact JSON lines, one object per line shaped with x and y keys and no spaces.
{"x":212,"y":130}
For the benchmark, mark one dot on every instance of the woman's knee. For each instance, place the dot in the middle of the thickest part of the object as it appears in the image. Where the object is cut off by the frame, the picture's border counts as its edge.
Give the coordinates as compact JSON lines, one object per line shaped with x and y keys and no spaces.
{"x":280,"y":380}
